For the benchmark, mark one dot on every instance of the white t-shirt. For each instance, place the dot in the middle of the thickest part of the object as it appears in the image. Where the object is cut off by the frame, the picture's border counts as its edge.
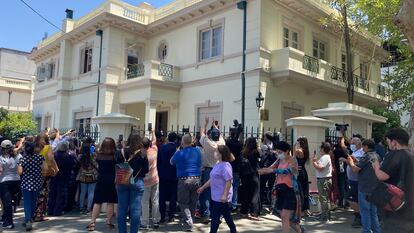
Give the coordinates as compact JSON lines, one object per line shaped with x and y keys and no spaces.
{"x":325,"y":162}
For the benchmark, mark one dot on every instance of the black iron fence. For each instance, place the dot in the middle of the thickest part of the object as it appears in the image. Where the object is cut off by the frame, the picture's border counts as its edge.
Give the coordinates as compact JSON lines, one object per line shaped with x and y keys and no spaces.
{"x":92,"y":131}
{"x":256,"y":132}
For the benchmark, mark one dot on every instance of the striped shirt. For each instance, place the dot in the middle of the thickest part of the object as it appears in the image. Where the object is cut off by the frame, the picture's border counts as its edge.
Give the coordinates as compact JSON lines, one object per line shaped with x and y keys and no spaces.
{"x":151,"y":178}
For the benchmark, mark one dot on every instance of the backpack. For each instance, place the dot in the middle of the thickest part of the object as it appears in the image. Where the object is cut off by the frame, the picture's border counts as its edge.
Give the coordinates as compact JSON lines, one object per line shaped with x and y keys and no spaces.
{"x":124,"y":171}
{"x":88,"y":175}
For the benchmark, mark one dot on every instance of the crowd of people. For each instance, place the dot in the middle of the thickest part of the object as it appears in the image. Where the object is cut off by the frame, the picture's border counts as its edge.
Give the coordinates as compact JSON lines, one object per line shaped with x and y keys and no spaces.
{"x":206,"y":177}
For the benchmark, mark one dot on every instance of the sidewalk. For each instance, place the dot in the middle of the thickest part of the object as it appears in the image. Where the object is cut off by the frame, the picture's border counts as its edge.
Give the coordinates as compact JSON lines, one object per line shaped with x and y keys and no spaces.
{"x":341,"y":222}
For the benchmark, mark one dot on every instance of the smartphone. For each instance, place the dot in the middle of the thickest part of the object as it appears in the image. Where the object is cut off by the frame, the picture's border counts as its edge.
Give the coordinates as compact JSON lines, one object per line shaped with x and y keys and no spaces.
{"x":216,"y":123}
{"x":149,"y":126}
{"x":121,"y":138}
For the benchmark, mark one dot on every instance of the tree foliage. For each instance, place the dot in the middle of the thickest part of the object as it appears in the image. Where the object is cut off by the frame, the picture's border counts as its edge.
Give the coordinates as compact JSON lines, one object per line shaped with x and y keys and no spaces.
{"x":14,"y":125}
{"x":393,"y":120}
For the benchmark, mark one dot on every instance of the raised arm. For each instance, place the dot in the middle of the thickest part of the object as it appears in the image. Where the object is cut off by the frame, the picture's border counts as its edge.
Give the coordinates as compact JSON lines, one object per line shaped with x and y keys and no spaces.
{"x":203,"y":128}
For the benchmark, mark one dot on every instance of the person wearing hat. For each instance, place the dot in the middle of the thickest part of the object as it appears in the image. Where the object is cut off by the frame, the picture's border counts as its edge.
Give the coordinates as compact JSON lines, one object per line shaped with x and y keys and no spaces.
{"x":288,"y":201}
{"x":209,"y":159}
{"x":9,"y":181}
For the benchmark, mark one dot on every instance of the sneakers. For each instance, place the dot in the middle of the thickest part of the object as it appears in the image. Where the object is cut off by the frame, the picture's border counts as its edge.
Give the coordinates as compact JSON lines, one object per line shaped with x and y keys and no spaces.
{"x":29,"y":226}
{"x":144,"y":227}
{"x":8,"y":226}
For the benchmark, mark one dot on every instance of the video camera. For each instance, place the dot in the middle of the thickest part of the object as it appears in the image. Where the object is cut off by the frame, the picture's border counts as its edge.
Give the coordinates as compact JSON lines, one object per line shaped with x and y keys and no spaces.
{"x":238,"y":128}
{"x":341,"y":127}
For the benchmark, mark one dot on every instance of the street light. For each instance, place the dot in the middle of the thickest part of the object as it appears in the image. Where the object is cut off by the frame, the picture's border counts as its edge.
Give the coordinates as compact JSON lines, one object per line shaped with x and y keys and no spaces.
{"x":242,"y":5}
{"x":259,"y":100}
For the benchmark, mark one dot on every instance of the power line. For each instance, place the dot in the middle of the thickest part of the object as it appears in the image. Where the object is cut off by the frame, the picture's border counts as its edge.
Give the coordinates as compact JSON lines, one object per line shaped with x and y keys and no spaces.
{"x":41,"y":16}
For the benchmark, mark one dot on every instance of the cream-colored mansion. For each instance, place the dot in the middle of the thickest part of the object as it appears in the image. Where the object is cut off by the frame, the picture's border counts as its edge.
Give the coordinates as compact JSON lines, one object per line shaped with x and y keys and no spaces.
{"x":177,"y":64}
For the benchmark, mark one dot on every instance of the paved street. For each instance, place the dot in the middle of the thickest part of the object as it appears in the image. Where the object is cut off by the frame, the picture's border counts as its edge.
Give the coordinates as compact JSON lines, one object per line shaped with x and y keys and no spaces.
{"x":73,"y":223}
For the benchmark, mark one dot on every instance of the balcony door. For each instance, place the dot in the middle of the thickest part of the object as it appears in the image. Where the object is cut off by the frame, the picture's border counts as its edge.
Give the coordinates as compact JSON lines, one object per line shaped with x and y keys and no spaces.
{"x":134,"y":60}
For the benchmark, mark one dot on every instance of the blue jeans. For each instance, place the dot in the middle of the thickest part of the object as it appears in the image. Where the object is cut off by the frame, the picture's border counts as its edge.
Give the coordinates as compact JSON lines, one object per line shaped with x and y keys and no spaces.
{"x":369,"y":215}
{"x":29,"y":203}
{"x":129,"y":198}
{"x":86,"y":188}
{"x":205,"y":197}
{"x":236,"y":185}
{"x":217,"y":210}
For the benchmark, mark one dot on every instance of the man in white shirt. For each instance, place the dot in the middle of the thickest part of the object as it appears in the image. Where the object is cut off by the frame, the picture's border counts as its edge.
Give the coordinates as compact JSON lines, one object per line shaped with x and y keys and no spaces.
{"x":323,"y":167}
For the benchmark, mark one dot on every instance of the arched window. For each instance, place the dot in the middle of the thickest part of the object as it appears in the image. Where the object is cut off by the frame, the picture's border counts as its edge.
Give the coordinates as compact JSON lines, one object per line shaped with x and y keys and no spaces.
{"x":162,"y":51}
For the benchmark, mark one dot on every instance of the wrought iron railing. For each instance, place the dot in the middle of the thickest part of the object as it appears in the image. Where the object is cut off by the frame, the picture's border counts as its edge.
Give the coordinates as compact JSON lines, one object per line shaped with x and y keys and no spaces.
{"x":135,"y":71}
{"x":83,"y":132}
{"x":361,"y":83}
{"x":381,"y":90}
{"x":166,"y":70}
{"x":311,"y":64}
{"x":338,"y":74}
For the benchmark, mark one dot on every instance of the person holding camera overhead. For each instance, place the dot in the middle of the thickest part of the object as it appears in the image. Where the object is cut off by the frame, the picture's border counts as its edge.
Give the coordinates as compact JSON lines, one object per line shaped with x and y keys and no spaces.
{"x":151,"y":184}
{"x":209,"y":159}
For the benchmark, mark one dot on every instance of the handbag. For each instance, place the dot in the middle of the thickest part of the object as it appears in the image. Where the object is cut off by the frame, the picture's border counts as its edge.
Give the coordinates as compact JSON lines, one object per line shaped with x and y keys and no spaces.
{"x":124,"y":171}
{"x":390,"y":197}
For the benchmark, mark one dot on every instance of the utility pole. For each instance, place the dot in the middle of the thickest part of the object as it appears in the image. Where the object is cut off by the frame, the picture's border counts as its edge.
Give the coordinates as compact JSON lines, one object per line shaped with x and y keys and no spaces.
{"x":242,"y":5}
{"x":100,"y":34}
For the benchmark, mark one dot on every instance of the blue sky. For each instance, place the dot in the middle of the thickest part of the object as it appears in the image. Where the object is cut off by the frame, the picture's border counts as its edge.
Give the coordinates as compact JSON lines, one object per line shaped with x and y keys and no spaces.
{"x":22,"y":29}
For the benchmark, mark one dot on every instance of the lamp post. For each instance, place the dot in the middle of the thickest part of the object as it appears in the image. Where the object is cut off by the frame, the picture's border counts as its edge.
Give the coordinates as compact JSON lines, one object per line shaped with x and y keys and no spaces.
{"x":259,"y":100}
{"x":100,"y":34}
{"x":242,"y":5}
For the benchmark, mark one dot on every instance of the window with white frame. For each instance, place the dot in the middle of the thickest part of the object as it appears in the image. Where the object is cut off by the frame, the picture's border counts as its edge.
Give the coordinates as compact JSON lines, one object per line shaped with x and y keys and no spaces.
{"x":319,"y":49}
{"x":41,"y":73}
{"x":86,"y":59}
{"x":50,"y":70}
{"x":363,"y":70}
{"x":290,"y":38}
{"x":211,"y":42}
{"x":162,"y":51}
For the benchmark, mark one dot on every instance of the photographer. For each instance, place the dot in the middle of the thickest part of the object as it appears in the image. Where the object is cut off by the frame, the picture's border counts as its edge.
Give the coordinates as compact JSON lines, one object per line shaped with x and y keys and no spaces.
{"x":236,"y":147}
{"x":209,"y":159}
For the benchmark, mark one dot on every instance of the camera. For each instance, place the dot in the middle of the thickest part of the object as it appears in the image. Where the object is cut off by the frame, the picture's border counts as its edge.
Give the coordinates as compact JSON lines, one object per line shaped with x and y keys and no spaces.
{"x":341,"y":127}
{"x":186,"y":130}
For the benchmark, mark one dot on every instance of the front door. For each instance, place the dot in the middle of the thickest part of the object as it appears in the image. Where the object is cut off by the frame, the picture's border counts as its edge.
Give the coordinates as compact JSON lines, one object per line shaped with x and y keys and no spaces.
{"x":161,"y":121}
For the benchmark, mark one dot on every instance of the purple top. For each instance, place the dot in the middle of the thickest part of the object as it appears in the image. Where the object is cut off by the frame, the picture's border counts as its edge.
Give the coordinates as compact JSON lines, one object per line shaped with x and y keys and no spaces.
{"x":221,"y":173}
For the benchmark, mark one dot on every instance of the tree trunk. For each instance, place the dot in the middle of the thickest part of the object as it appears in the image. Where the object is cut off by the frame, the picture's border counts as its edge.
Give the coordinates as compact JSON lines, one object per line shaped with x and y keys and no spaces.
{"x":348,"y":49}
{"x":405,"y":21}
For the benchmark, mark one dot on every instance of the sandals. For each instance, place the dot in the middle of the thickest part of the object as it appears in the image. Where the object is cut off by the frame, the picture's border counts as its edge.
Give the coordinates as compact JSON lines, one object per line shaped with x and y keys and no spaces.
{"x":91,"y":226}
{"x":110,"y":226}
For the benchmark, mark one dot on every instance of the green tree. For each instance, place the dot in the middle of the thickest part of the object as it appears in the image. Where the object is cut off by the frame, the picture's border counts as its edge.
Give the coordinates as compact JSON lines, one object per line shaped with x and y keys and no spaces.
{"x":13,"y":125}
{"x":393,"y":120}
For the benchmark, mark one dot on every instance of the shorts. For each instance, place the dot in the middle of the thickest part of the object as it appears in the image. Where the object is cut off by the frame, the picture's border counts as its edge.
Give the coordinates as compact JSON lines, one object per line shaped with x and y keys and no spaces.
{"x":286,"y":198}
{"x":352,"y":194}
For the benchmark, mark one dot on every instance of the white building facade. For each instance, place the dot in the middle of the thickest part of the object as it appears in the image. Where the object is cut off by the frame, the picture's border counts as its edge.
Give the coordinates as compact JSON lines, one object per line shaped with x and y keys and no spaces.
{"x":180,"y":63}
{"x":16,"y":78}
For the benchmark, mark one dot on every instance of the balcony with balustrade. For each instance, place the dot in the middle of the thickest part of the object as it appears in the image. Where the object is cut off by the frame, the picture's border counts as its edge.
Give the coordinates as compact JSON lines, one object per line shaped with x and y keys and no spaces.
{"x":289,"y":63}
{"x":152,"y":70}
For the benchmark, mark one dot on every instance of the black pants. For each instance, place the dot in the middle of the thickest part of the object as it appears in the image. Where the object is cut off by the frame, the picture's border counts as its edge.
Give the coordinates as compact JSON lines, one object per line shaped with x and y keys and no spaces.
{"x":250,"y":195}
{"x":266,"y":186}
{"x":217,"y":210}
{"x":303,"y":181}
{"x":58,"y":197}
{"x":8,"y":190}
{"x":168,"y":192}
{"x":342,"y":188}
